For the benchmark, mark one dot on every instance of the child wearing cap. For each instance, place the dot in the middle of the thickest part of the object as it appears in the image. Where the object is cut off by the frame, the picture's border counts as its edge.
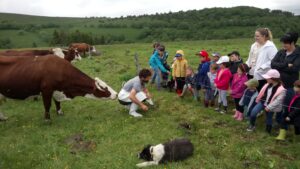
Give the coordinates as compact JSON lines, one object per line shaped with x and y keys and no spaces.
{"x":202,"y":80}
{"x":293,"y":117}
{"x":190,"y":83}
{"x":249,"y":96}
{"x":210,"y":91}
{"x":237,"y":89}
{"x":215,"y":57}
{"x":270,"y":99}
{"x":179,"y":71}
{"x":222,"y":83}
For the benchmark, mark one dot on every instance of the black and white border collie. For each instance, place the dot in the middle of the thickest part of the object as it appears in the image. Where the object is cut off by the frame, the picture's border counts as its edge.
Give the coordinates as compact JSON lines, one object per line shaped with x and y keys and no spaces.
{"x":175,"y":150}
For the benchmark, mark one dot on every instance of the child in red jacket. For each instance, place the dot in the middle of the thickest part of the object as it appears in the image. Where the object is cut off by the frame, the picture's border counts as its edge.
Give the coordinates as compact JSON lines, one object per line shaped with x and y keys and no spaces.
{"x":222,"y":83}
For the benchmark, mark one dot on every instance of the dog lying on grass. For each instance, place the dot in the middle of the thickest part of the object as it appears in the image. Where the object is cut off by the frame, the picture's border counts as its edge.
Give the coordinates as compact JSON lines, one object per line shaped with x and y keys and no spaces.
{"x":175,"y":150}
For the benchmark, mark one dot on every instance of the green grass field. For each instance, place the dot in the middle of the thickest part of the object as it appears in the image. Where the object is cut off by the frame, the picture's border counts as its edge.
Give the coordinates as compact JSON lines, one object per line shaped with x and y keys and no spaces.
{"x":27,"y":142}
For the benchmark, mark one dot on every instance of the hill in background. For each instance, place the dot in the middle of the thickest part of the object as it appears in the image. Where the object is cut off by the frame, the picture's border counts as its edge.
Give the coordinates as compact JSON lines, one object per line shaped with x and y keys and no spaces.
{"x":18,"y":31}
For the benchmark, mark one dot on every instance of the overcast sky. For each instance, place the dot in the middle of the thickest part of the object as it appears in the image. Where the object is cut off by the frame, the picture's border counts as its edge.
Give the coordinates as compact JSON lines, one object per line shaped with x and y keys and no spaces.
{"x":116,"y":8}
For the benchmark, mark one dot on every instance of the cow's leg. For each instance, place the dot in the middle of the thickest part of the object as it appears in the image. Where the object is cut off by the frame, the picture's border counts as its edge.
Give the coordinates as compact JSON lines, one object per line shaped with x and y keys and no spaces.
{"x":47,"y":95}
{"x":58,"y":108}
{"x":2,"y":117}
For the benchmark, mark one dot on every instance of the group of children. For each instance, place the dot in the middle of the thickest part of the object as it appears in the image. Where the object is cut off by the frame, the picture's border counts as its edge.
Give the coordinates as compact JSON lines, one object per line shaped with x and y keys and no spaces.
{"x":223,"y":75}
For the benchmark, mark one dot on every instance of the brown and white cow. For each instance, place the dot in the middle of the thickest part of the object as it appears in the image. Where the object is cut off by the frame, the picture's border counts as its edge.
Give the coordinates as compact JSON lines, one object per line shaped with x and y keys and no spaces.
{"x":70,"y":54}
{"x":83,"y":47}
{"x":55,"y":51}
{"x":22,"y":77}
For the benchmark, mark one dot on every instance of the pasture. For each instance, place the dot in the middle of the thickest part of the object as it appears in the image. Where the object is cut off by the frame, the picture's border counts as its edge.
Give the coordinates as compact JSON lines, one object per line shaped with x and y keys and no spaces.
{"x":27,"y":142}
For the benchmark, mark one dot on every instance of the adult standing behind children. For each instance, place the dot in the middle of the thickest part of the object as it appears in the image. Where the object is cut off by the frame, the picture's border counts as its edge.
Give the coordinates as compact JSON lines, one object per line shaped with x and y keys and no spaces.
{"x":134,"y":93}
{"x":179,"y":71}
{"x":287,"y":62}
{"x":261,"y":53}
{"x":157,"y":66}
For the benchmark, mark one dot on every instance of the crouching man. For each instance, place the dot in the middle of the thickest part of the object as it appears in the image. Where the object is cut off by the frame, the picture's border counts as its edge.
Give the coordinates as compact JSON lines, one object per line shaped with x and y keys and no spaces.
{"x":134,"y":93}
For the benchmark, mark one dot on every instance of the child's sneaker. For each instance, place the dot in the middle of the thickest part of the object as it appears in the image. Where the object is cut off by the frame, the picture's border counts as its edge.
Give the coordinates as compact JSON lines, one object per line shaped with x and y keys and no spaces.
{"x":135,"y":114}
{"x":218,"y":108}
{"x":224,"y":111}
{"x":251,"y":128}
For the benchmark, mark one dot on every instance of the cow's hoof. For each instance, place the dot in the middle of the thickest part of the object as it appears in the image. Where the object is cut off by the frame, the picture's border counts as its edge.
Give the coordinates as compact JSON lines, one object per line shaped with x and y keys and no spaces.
{"x":48,"y":121}
{"x":2,"y":117}
{"x":60,"y":113}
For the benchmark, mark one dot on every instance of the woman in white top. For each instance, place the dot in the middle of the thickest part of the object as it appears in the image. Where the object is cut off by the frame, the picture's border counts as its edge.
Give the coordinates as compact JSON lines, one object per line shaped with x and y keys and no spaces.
{"x":262,"y":51}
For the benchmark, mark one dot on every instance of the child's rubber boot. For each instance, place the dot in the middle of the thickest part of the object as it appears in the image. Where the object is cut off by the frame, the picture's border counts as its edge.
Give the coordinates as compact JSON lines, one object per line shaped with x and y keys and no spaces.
{"x":282,"y":135}
{"x":206,"y":103}
{"x":212,"y":103}
{"x":236,"y":115}
{"x":268,"y":128}
{"x":240,"y":116}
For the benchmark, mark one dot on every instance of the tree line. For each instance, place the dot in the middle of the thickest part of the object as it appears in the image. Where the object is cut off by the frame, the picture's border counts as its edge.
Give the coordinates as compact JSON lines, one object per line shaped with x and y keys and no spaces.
{"x":212,"y":23}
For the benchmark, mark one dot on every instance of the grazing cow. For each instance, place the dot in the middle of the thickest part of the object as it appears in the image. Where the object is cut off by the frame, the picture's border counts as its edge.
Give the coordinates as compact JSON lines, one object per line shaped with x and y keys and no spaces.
{"x":22,"y":77}
{"x":83,"y":47}
{"x":71,"y":54}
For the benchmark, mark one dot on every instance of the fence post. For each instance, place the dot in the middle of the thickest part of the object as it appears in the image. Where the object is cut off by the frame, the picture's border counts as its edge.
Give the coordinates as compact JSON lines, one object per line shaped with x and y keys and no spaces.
{"x":137,"y":64}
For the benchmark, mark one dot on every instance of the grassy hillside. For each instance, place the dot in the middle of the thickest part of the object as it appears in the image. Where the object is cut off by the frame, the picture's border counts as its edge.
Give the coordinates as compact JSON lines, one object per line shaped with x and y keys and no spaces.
{"x":18,"y":31}
{"x":220,"y":142}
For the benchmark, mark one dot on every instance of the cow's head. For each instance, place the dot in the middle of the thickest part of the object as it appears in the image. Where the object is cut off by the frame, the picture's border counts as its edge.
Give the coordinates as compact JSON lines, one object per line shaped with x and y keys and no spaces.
{"x":58,"y":52}
{"x":93,"y":49}
{"x":102,"y":90}
{"x":72,"y":54}
{"x":77,"y":55}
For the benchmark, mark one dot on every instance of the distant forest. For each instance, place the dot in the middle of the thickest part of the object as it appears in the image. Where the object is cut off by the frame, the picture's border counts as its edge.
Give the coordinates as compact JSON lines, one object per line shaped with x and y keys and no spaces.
{"x":212,"y":23}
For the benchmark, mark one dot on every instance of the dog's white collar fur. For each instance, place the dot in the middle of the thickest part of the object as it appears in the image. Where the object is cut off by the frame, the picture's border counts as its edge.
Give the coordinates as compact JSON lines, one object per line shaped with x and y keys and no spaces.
{"x":157,"y":153}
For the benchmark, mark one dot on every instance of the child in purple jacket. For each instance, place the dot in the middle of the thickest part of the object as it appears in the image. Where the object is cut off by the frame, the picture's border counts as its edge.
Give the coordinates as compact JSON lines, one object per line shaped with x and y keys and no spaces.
{"x":237,"y":89}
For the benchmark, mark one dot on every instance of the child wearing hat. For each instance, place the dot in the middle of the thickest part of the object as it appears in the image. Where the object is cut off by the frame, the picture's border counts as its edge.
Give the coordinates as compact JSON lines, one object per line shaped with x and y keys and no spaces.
{"x":270,"y":99}
{"x":249,"y":96}
{"x":202,"y":80}
{"x":215,"y":57}
{"x":222,"y":83}
{"x":293,"y":117}
{"x":237,"y":89}
{"x":179,"y":71}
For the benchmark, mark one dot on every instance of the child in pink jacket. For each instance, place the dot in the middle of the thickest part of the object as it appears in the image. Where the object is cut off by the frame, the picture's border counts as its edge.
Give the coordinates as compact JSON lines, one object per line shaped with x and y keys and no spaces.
{"x":237,"y":89}
{"x":270,"y":99}
{"x":222,"y":83}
